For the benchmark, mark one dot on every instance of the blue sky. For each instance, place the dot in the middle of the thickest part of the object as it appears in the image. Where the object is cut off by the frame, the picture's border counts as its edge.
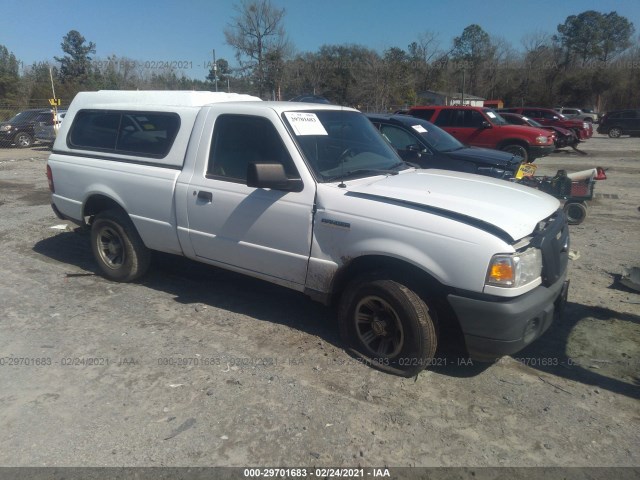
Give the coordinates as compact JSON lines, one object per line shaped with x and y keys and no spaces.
{"x":188,"y":30}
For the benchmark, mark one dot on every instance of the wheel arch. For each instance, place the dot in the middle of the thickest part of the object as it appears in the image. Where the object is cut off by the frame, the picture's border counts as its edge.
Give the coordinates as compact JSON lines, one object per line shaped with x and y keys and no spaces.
{"x":420,"y":280}
{"x":99,"y":202}
{"x":513,"y":141}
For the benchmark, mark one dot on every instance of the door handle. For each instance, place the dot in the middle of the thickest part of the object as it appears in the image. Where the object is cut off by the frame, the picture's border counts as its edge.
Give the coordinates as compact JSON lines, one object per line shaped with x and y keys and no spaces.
{"x":206,"y":196}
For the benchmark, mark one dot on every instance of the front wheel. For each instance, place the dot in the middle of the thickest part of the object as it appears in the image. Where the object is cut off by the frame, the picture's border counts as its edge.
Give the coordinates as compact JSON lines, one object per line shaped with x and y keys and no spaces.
{"x":387,"y":325}
{"x":23,"y":140}
{"x":118,"y":248}
{"x":517,"y":150}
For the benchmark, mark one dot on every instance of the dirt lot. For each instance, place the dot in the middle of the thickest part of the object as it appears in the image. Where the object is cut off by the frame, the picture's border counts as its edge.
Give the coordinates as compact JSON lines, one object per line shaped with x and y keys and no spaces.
{"x":197,"y":366}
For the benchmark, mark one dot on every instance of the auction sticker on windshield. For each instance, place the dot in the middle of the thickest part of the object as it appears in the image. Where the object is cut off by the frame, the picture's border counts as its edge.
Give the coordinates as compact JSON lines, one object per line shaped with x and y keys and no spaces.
{"x":305,"y":123}
{"x":419,"y":128}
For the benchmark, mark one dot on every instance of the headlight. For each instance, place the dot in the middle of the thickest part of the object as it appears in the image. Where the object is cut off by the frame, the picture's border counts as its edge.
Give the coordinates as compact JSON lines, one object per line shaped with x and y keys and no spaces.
{"x":585,"y":125}
{"x":515,"y":270}
{"x":542,"y":139}
{"x":5,"y":128}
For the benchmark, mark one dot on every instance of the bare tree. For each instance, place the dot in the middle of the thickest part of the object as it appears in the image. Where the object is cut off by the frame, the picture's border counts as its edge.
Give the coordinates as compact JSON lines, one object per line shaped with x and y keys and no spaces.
{"x":258,"y":36}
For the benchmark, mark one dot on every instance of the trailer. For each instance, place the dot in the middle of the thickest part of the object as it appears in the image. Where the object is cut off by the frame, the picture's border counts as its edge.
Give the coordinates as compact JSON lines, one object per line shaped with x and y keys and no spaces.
{"x":574,"y":189}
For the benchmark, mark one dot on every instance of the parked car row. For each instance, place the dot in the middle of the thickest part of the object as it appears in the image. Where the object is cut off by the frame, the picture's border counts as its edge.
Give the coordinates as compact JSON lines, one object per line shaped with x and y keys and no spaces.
{"x":483,"y":127}
{"x":563,"y":137}
{"x":30,"y":125}
{"x":428,"y":146}
{"x":551,"y":118}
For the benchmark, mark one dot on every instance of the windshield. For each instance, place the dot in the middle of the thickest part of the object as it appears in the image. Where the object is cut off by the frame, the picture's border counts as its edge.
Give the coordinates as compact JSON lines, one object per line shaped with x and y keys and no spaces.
{"x":339,"y":143}
{"x":531,"y":122}
{"x":436,"y":138}
{"x":494,"y":117}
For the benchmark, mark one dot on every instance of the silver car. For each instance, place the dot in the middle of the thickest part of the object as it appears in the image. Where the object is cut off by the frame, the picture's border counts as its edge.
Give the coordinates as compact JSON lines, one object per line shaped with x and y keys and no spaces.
{"x":587,"y":116}
{"x":45,"y":132}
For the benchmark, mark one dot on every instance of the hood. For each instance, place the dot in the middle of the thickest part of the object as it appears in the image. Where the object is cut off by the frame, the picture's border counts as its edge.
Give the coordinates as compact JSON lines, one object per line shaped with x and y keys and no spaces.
{"x":522,"y":129}
{"x":515,"y":209}
{"x":485,"y":156}
{"x":574,"y":122}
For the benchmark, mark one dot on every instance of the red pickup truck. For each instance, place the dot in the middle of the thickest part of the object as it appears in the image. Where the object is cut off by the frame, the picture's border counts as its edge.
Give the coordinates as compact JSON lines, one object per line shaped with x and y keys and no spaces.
{"x":482,"y":127}
{"x":549,"y":117}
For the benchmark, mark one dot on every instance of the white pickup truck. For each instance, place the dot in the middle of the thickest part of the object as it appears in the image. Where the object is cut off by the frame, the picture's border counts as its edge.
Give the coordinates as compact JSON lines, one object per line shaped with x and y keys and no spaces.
{"x":311,"y":197}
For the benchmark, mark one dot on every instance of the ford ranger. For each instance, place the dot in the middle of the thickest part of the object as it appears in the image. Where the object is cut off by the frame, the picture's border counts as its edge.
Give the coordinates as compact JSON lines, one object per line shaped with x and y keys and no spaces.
{"x":311,"y":197}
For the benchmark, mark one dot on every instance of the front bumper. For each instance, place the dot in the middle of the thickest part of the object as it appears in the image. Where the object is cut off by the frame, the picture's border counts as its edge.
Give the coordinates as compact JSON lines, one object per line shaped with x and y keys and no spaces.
{"x":493,"y":327}
{"x":585,"y":134}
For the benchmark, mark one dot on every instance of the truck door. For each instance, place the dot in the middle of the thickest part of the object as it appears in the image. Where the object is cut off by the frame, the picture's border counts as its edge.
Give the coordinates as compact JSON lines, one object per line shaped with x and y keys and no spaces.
{"x":261,"y":232}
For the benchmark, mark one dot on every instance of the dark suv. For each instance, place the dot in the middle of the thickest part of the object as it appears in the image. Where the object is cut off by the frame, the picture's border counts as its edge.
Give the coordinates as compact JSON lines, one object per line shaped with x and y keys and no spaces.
{"x":620,"y":122}
{"x":482,"y":127}
{"x":19,"y":130}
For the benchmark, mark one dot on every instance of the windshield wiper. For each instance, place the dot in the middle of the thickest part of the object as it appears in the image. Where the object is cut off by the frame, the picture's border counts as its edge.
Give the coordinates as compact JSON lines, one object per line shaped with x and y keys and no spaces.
{"x":365,"y":172}
{"x":454,"y":149}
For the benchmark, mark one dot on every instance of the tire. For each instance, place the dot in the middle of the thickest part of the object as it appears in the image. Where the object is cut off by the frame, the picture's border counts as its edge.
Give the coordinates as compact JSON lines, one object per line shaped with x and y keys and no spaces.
{"x":516,"y":149}
{"x":118,"y":248}
{"x":23,"y":140}
{"x":387,"y":325}
{"x":615,"y":132}
{"x":576,"y":212}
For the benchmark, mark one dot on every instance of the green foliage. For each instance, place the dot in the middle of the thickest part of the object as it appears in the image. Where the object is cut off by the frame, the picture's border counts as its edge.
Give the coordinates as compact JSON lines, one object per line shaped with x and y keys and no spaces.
{"x":474,"y":45}
{"x":75,"y":66}
{"x":223,"y":72}
{"x":9,"y":74}
{"x":471,"y":53}
{"x":593,"y":36}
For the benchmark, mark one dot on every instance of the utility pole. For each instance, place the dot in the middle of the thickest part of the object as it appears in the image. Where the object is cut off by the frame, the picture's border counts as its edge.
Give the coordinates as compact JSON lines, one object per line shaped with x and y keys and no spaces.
{"x":215,"y":69}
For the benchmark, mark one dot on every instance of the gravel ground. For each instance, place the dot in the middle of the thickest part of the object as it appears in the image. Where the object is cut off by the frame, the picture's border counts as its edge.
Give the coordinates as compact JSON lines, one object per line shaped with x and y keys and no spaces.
{"x":195,"y":366}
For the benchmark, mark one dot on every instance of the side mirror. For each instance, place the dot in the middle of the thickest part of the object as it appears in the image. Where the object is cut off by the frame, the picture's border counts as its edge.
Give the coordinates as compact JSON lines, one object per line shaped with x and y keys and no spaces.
{"x":271,"y":175}
{"x":416,"y":150}
{"x":486,"y":124}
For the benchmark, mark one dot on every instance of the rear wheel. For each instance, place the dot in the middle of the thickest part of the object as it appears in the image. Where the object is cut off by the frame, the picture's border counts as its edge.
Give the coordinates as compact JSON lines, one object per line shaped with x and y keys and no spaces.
{"x":517,"y":150}
{"x":388,"y":325}
{"x":117,"y":247}
{"x":615,"y":132}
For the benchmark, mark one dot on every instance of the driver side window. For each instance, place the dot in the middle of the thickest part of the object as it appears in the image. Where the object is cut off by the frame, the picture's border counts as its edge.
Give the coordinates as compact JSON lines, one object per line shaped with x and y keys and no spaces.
{"x":239,"y":140}
{"x":400,"y":139}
